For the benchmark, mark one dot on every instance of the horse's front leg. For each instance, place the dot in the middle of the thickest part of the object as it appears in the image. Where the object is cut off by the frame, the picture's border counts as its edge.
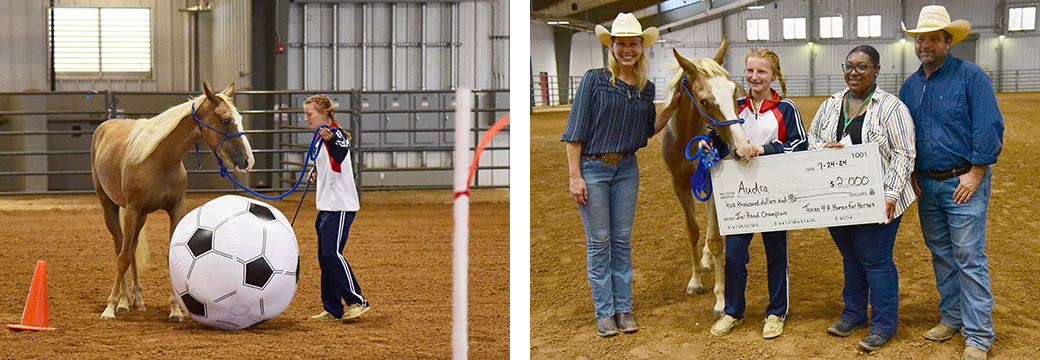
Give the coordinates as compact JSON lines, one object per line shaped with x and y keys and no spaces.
{"x":176,"y":212}
{"x":693,"y":231}
{"x":132,"y":223}
{"x":715,"y":244}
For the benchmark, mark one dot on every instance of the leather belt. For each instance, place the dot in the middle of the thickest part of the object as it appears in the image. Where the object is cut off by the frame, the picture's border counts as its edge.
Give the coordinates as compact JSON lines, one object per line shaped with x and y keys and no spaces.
{"x":946,"y":174}
{"x":608,"y":158}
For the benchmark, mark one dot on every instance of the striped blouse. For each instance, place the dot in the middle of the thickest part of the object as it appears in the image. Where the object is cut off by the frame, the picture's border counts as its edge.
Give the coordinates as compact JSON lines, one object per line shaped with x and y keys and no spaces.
{"x":609,"y":118}
{"x":887,"y":122}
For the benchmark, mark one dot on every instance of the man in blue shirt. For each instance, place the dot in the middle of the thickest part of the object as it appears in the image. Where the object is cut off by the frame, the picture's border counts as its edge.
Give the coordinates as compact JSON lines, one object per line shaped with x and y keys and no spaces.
{"x":959,"y":134}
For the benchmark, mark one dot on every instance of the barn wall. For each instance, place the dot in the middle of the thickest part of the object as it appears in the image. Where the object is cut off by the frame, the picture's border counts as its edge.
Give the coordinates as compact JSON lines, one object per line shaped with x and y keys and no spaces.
{"x":821,"y":61}
{"x":22,"y":54}
{"x":380,"y":46}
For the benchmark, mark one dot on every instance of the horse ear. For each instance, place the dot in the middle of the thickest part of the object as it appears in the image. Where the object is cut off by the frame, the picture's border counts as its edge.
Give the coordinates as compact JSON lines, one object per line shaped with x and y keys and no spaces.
{"x":230,"y":91}
{"x":739,"y":92}
{"x":684,"y":63}
{"x":722,"y":51}
{"x":209,"y":93}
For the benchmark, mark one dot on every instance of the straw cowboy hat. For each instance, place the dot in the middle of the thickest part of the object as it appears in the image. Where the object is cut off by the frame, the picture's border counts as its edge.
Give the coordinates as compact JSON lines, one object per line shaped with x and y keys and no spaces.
{"x":935,"y":17}
{"x":626,"y":24}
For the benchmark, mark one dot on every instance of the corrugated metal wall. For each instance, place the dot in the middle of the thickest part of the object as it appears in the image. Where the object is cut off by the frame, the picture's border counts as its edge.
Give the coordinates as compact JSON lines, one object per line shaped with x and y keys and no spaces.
{"x":1021,"y":50}
{"x":22,"y":53}
{"x":381,"y":45}
{"x":231,"y":37}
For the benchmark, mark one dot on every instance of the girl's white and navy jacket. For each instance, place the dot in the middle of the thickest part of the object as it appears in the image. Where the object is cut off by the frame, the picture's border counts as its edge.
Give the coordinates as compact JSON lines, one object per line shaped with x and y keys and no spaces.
{"x":336,"y":190}
{"x":777,"y":126}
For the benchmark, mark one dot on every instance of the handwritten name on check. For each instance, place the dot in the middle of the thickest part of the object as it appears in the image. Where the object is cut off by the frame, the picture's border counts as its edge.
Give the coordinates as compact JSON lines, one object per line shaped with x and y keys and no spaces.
{"x":805,"y":189}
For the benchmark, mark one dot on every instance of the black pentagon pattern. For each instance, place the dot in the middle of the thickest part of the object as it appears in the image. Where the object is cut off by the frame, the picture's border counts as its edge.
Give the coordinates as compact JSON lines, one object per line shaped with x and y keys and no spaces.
{"x":200,"y":242}
{"x":258,"y":272}
{"x":261,"y":212}
{"x":194,"y":306}
{"x":297,"y":269}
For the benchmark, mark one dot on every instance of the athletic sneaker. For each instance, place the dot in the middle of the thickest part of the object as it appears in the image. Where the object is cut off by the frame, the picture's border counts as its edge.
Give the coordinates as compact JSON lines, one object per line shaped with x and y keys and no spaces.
{"x":323,"y":316}
{"x":844,"y":328}
{"x":354,"y":311}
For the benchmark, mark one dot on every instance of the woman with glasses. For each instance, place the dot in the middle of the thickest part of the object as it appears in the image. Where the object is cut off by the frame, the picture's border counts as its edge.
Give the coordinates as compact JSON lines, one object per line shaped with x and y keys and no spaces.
{"x":863,"y":113}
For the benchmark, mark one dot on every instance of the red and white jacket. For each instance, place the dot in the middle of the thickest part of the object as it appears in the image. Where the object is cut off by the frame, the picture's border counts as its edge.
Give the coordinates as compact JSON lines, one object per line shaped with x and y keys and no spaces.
{"x":336,"y":189}
{"x":777,"y":126}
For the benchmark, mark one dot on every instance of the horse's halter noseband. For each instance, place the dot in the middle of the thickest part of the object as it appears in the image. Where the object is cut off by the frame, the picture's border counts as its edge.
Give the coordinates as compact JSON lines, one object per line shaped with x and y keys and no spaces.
{"x":226,"y":136}
{"x":707,"y":158}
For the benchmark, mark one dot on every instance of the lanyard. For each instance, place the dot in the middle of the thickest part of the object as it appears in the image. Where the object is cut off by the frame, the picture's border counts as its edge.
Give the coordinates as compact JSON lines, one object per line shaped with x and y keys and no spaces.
{"x":849,"y":117}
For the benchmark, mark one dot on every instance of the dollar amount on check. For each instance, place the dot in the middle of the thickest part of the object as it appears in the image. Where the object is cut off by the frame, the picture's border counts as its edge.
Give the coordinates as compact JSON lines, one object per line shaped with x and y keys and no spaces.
{"x":805,"y":189}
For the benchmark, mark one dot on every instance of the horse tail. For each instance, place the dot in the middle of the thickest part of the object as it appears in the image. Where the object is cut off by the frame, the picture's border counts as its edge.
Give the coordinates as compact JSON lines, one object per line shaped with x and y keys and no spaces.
{"x":141,"y":253}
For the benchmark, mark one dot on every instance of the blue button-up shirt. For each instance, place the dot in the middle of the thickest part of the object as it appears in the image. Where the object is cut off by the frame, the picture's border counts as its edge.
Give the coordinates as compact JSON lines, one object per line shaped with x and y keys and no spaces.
{"x":955,"y":116}
{"x":610,"y":118}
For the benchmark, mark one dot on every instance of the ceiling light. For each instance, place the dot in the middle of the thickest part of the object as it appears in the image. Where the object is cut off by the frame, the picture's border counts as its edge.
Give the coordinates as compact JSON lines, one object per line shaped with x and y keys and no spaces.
{"x":756,"y":7}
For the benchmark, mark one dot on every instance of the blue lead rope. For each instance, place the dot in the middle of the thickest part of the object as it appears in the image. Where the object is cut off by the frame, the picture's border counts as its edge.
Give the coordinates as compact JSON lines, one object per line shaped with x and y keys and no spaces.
{"x":708,"y":157}
{"x":311,"y":155}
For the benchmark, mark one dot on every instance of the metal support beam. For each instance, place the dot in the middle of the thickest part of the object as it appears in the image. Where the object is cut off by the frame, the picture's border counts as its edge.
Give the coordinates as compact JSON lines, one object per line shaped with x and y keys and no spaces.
{"x":562,"y":45}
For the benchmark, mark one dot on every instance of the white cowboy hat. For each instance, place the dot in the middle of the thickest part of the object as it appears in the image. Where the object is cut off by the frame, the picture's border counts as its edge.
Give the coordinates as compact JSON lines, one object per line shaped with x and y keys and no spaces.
{"x":626,"y":24}
{"x":935,"y":17}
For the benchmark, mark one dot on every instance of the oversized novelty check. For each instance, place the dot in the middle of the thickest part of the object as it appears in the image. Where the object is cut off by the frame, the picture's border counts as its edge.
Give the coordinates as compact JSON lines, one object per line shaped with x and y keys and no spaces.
{"x":805,"y":189}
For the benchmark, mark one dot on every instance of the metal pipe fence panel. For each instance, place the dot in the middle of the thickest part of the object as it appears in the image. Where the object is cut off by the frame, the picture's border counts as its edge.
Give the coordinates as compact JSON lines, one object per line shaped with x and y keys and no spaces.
{"x":545,"y":88}
{"x":45,"y":138}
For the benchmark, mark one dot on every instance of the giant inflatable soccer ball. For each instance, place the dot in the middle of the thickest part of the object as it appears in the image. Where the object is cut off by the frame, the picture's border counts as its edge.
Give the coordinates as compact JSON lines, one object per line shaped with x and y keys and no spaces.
{"x":234,"y":262}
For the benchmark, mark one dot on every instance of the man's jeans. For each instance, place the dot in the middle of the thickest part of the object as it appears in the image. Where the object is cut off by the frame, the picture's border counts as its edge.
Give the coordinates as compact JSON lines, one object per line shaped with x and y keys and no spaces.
{"x":608,"y":215}
{"x":956,"y":235}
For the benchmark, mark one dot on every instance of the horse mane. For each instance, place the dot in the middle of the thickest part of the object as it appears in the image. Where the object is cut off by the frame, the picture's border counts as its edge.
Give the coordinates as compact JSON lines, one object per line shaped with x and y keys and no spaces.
{"x":705,"y":66}
{"x":148,"y":133}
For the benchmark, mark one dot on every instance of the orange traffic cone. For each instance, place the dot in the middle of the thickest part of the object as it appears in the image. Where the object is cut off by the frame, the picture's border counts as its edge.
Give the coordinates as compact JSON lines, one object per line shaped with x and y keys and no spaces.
{"x":36,"y":316}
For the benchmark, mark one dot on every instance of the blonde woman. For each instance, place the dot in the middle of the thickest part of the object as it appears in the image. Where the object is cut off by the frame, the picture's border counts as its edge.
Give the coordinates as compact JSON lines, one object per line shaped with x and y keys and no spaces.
{"x":774,"y":126}
{"x":613,"y":115}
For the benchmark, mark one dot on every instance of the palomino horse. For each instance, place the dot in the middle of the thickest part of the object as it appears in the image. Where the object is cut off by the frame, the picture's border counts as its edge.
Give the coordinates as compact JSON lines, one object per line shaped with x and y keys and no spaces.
{"x":137,"y":165}
{"x":709,"y":85}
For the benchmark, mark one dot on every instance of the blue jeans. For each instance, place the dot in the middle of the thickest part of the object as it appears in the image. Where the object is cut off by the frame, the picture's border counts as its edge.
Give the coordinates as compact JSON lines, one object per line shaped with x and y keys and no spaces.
{"x":737,"y":257}
{"x":956,"y":235}
{"x":870,"y":274}
{"x":608,"y":215}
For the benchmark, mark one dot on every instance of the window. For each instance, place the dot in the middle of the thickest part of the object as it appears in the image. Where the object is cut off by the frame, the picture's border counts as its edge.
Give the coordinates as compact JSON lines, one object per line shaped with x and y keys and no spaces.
{"x":868,"y":26}
{"x":757,"y":29}
{"x":830,"y":27}
{"x":794,"y":28}
{"x":1021,"y":19}
{"x":100,"y":41}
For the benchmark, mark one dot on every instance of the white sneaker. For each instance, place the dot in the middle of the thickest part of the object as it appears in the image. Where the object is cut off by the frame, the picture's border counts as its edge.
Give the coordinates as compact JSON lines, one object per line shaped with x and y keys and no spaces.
{"x":354,"y":311}
{"x":773,"y":328}
{"x":323,"y":316}
{"x":725,"y":324}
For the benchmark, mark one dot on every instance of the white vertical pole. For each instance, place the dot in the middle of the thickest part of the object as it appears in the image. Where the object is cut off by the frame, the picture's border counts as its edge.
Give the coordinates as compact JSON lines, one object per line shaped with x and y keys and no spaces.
{"x":460,"y":257}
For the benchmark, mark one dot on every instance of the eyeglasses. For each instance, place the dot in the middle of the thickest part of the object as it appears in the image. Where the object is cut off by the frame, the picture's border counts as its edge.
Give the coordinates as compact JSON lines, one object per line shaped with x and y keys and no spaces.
{"x":860,"y":69}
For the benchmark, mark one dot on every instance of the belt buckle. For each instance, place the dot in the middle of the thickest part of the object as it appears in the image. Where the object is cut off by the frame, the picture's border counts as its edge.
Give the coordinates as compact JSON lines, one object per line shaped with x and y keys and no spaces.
{"x":611,"y":158}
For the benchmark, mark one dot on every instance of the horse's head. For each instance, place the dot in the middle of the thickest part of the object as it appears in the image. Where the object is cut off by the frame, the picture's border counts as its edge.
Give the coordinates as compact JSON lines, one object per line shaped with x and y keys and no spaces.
{"x":228,"y":141}
{"x":709,"y":88}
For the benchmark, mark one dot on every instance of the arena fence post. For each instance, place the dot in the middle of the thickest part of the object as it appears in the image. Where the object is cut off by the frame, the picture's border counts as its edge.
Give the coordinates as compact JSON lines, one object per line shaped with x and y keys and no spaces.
{"x":460,"y":256}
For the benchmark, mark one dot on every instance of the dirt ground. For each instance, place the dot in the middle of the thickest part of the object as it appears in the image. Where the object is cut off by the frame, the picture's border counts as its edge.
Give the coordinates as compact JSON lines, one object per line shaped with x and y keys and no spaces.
{"x":400,"y":249}
{"x":674,"y":325}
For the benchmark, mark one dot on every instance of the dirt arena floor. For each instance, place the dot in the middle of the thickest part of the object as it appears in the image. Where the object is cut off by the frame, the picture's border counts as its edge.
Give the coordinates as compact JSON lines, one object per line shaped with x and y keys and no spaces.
{"x":400,"y":249}
{"x":674,"y":325}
